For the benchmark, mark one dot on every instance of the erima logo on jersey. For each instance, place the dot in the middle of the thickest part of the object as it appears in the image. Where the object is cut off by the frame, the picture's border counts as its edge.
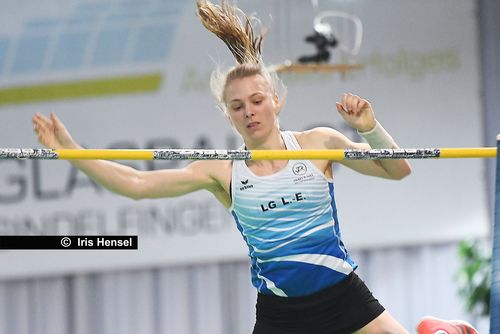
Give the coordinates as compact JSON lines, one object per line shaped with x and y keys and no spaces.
{"x":246,"y":185}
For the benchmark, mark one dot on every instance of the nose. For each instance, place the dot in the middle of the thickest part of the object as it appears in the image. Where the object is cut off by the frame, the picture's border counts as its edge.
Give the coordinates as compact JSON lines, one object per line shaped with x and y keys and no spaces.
{"x":249,"y":112}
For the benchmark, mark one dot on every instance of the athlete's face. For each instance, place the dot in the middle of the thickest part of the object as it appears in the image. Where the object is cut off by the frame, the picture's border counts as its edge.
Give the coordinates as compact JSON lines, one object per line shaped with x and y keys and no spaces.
{"x":252,"y":107}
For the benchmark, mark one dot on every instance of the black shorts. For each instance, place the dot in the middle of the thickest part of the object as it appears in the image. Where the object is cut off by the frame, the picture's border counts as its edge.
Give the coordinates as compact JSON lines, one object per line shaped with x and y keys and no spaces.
{"x":341,"y":309}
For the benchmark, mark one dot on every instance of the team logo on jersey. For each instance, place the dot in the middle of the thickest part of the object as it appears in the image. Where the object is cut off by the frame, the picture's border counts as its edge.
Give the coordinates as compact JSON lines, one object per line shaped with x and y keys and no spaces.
{"x":299,"y":168}
{"x":283,"y":201}
{"x":245,"y":185}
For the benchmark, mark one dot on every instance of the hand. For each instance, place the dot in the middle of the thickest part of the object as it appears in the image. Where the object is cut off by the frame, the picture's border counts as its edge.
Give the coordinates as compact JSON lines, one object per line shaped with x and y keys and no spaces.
{"x":357,"y":112}
{"x":52,"y":133}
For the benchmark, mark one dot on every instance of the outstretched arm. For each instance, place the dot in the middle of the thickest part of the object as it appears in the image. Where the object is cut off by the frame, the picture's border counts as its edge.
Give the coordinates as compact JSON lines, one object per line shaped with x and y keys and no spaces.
{"x":122,"y":179}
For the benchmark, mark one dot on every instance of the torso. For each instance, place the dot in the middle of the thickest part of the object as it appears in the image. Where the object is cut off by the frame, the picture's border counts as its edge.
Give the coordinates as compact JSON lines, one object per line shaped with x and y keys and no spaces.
{"x":222,"y":170}
{"x":286,"y":213}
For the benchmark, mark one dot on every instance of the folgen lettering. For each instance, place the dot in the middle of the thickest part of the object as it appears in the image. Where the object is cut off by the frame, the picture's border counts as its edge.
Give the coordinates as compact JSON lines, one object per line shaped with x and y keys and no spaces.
{"x":282,"y":202}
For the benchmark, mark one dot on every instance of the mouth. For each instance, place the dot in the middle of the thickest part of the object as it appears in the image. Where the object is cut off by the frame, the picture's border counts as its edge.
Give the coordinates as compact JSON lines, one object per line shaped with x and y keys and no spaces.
{"x":252,"y":125}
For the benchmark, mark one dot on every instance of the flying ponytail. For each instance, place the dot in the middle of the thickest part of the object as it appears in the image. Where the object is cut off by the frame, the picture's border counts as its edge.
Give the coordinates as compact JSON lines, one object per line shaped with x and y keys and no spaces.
{"x":234,"y":28}
{"x":238,"y":31}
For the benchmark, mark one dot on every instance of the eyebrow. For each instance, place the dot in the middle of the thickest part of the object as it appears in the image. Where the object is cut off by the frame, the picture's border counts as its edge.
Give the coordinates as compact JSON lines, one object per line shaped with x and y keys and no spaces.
{"x":238,"y":100}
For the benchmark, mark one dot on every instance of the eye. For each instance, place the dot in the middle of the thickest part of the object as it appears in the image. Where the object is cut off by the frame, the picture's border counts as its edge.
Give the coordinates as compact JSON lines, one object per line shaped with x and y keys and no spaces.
{"x":258,"y":102}
{"x":236,"y":108}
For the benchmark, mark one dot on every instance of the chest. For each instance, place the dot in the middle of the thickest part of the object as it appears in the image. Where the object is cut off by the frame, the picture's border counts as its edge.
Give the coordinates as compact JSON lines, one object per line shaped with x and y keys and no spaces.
{"x":295,"y":185}
{"x":299,"y":172}
{"x":268,"y":169}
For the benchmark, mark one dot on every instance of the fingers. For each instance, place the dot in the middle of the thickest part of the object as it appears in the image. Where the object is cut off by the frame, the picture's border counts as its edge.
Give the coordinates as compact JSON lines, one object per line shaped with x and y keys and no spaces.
{"x":343,"y":111}
{"x":350,"y":102}
{"x":353,"y":104}
{"x":41,"y":120}
{"x":57,"y":122}
{"x":340,"y":107}
{"x":43,"y":128}
{"x":41,"y":123}
{"x":37,"y":122}
{"x":41,"y":134}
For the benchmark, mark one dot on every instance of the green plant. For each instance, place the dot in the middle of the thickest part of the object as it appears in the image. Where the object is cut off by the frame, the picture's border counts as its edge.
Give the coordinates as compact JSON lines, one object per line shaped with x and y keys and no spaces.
{"x":474,"y":277}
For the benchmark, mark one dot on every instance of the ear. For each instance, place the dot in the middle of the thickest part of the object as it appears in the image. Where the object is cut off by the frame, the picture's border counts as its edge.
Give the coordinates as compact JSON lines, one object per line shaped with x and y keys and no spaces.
{"x":277,"y":104}
{"x":276,"y":99}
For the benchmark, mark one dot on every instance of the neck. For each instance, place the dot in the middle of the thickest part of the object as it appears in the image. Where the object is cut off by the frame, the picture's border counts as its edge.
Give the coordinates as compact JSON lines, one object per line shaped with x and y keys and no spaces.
{"x":272,"y":142}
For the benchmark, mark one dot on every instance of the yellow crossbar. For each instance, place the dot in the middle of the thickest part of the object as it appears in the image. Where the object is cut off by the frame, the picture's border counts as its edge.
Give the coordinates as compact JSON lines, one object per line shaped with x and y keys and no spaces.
{"x":194,"y":154}
{"x":105,"y":154}
{"x":477,"y":152}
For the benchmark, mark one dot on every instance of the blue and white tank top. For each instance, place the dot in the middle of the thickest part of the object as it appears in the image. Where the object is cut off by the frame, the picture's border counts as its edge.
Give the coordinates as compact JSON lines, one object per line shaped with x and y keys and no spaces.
{"x":289,"y":222}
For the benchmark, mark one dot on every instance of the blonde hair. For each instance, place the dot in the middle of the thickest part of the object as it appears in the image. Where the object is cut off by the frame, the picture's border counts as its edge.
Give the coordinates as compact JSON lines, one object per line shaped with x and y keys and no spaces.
{"x":237,"y":31}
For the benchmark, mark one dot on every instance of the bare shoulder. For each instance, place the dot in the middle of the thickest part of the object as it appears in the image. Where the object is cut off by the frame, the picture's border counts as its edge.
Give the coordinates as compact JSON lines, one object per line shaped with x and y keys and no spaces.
{"x":321,"y":138}
{"x":211,"y":168}
{"x":219,"y":171}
